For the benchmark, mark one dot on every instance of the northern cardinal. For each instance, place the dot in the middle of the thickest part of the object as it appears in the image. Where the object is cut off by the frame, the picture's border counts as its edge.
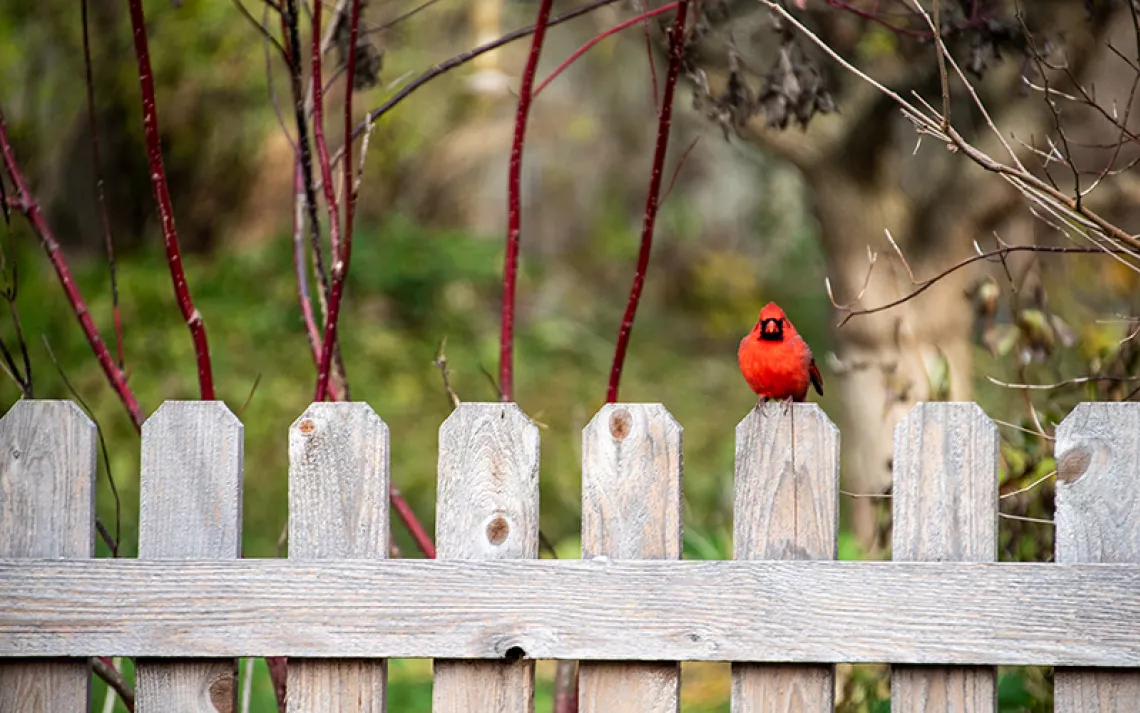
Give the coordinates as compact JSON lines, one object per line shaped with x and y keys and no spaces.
{"x":775,"y":360}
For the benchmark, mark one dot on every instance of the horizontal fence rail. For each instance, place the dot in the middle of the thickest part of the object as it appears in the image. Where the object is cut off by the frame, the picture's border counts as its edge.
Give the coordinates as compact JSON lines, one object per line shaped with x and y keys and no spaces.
{"x":943,"y":613}
{"x":858,"y":612}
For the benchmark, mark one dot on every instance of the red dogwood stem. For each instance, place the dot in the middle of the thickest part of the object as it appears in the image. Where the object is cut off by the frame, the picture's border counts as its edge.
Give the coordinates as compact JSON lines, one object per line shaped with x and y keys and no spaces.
{"x":601,"y":36}
{"x":319,"y":136}
{"x":165,"y":209}
{"x":26,"y":203}
{"x":664,"y":123}
{"x":341,"y":260}
{"x":514,"y":209}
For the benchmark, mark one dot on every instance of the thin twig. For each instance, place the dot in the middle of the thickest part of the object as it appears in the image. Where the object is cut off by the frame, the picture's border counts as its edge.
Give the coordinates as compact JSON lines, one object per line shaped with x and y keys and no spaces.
{"x":112,"y":541}
{"x":441,"y":364}
{"x":97,"y":163}
{"x":1062,"y":384}
{"x":514,"y":206}
{"x":1029,"y":487}
{"x":190,"y":314}
{"x":598,"y":38}
{"x":664,"y":123}
{"x":319,"y":135}
{"x":1023,"y":518}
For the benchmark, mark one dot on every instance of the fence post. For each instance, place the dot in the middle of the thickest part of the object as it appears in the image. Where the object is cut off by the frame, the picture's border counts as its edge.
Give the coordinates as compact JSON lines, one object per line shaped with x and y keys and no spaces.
{"x":1098,"y":520}
{"x":631,"y":509}
{"x":47,"y":510}
{"x":945,"y":510}
{"x":786,"y":508}
{"x":338,"y":509}
{"x":486,"y":509}
{"x":190,"y":492}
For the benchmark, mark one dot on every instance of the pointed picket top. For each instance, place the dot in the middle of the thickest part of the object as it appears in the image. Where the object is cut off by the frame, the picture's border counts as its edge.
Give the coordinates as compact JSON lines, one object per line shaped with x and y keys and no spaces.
{"x":631,"y":483}
{"x":787,"y":483}
{"x":486,"y":509}
{"x":1098,"y":484}
{"x":487,"y":503}
{"x":945,"y":496}
{"x":945,"y":508}
{"x":47,"y":510}
{"x":190,"y":481}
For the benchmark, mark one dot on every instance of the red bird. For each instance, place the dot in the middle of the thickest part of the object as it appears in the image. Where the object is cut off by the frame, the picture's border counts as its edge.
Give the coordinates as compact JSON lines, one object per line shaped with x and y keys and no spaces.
{"x":775,"y":360}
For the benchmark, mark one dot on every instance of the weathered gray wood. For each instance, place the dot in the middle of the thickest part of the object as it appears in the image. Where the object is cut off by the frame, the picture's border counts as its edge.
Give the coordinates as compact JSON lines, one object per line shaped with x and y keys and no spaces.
{"x":764,"y":611}
{"x":1098,"y":520}
{"x":786,"y":507}
{"x":47,"y":509}
{"x":945,"y":500}
{"x":632,"y":508}
{"x":486,"y":509}
{"x":190,"y":492}
{"x":338,"y":508}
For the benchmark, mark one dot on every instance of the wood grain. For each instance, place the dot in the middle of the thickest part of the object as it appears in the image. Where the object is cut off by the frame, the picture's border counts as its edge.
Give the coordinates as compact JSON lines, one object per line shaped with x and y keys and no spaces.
{"x":763,"y":611}
{"x":632,"y":508}
{"x":190,"y":499}
{"x":487,"y":509}
{"x":945,"y":509}
{"x":786,"y":507}
{"x":1098,"y":520}
{"x":338,"y":508}
{"x":47,"y":510}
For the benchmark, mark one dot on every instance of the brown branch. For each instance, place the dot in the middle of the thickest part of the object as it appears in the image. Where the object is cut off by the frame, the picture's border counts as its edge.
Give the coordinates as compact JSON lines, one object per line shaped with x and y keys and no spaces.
{"x":514,"y":206}
{"x":924,"y":285}
{"x":190,"y":314}
{"x":300,"y":266}
{"x":25,"y":202}
{"x":461,"y":59}
{"x":664,"y":123}
{"x":108,"y":241}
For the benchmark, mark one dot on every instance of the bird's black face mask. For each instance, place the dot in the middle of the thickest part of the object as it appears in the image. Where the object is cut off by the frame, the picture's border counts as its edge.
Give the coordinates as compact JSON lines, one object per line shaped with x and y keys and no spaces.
{"x":772,"y":329}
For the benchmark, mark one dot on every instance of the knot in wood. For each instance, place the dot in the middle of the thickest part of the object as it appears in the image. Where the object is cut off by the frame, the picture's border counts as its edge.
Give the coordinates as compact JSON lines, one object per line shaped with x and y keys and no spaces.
{"x":16,"y":454}
{"x":620,"y":424}
{"x":307,"y":426}
{"x":498,"y":530}
{"x":1073,"y":464}
{"x":222,"y":694}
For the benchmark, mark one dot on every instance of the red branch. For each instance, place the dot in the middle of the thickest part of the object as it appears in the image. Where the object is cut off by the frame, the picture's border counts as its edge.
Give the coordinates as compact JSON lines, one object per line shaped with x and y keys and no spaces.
{"x":25,"y":202}
{"x":341,"y":260}
{"x":664,"y":123}
{"x":643,"y":17}
{"x":415,"y":529}
{"x":514,"y":209}
{"x":319,"y":134}
{"x":165,"y":209}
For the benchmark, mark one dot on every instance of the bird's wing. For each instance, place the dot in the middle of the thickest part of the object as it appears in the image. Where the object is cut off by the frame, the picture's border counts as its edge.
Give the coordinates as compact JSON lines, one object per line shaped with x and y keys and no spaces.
{"x":816,"y":379}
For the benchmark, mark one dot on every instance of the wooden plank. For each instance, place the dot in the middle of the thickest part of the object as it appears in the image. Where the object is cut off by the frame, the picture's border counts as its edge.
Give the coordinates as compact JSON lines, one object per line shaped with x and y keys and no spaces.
{"x":764,"y":611}
{"x":631,"y":509}
{"x":190,"y":492}
{"x":47,"y":509}
{"x":1098,"y":520}
{"x":786,"y":507}
{"x":338,"y":508}
{"x":945,"y":505}
{"x":487,"y":509}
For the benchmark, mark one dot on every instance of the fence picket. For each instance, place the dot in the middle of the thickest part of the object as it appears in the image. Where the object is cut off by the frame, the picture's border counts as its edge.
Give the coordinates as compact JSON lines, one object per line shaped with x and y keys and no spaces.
{"x":786,"y":508}
{"x":945,"y":501}
{"x":1098,"y":520}
{"x":487,"y":508}
{"x":338,"y":509}
{"x":631,"y":509}
{"x":47,"y":510}
{"x":190,"y":499}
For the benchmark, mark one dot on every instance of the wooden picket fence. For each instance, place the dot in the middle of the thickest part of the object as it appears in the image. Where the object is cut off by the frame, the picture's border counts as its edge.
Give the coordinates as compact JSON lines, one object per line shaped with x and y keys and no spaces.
{"x":943,"y":613}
